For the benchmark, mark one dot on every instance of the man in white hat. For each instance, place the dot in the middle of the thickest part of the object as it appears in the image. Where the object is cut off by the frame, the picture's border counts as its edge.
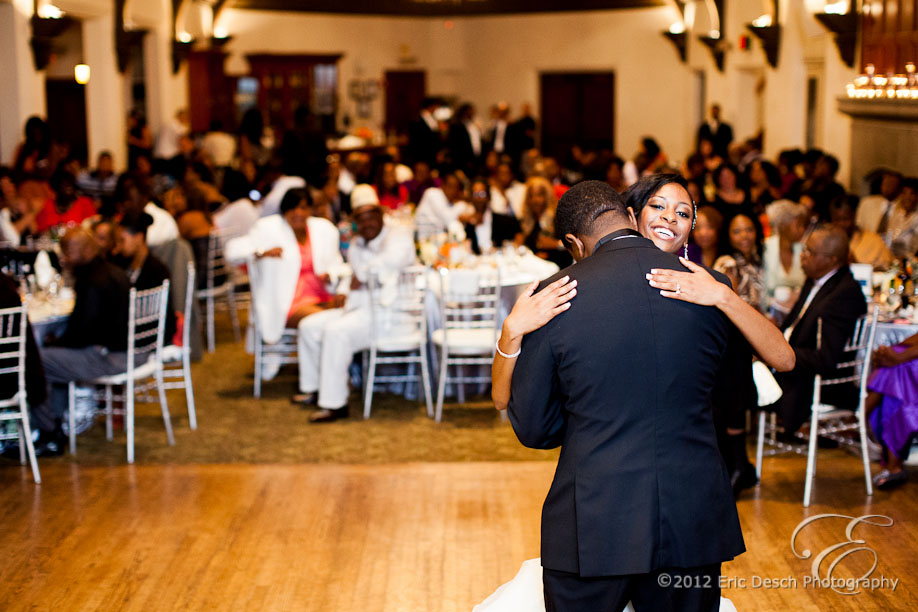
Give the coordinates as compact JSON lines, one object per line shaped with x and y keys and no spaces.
{"x":328,"y":340}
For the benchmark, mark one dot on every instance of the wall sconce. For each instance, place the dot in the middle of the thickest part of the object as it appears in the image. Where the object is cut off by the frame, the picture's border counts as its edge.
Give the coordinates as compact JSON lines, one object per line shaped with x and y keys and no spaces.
{"x":716,"y":46}
{"x":44,"y":31}
{"x":767,"y":29}
{"x":844,"y":26}
{"x":220,"y":37}
{"x":180,"y":51}
{"x":81,"y":73}
{"x":676,"y":34}
{"x":770,"y":36}
{"x":128,"y":43}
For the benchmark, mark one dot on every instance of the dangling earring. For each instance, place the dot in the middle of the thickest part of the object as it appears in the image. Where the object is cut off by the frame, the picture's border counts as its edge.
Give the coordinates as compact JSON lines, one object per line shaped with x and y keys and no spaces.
{"x":685,"y":249}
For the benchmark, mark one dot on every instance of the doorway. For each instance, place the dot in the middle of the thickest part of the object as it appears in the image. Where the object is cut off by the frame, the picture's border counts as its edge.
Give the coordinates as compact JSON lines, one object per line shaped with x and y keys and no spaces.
{"x":67,"y":114}
{"x":405,"y":91}
{"x":577,"y":108}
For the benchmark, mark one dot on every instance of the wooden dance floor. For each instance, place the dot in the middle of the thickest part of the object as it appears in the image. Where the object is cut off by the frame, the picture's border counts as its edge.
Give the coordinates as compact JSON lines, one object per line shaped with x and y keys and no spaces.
{"x":406,"y":538}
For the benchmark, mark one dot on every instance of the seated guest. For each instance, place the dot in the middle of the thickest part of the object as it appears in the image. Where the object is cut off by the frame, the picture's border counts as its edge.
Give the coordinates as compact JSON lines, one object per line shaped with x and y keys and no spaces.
{"x":821,"y":188}
{"x":486,"y":229}
{"x":131,"y":253}
{"x":421,"y":182}
{"x":781,"y":255}
{"x":440,"y":207}
{"x":706,"y":237}
{"x":328,"y":340}
{"x":730,"y":198}
{"x":832,"y":295}
{"x":132,"y":193}
{"x":743,"y":262}
{"x":270,"y":204}
{"x":94,"y":343}
{"x":296,"y":255}
{"x":538,"y":222}
{"x":873,"y":209}
{"x":902,"y":221}
{"x":391,"y":194}
{"x":101,"y":182}
{"x":65,"y":208}
{"x":103,"y":231}
{"x":237,"y":214}
{"x":764,"y":181}
{"x":892,"y":406}
{"x":17,"y":214}
{"x":507,"y":193}
{"x":863,"y":246}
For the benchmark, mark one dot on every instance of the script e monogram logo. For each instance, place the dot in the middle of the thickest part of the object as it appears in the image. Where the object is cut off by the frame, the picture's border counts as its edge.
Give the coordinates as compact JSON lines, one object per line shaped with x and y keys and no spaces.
{"x":850,"y":543}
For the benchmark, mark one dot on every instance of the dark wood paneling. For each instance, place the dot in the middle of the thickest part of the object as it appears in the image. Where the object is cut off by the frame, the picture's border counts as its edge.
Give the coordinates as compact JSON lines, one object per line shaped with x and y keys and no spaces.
{"x":405,"y":91}
{"x":577,"y":108}
{"x":210,"y":91}
{"x":889,"y":34}
{"x":429,"y":9}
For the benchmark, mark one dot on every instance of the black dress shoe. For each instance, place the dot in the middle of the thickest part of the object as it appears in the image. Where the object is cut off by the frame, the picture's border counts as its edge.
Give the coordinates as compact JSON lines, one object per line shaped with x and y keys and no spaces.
{"x":743,"y":478}
{"x":327,"y":416}
{"x":46,"y":445}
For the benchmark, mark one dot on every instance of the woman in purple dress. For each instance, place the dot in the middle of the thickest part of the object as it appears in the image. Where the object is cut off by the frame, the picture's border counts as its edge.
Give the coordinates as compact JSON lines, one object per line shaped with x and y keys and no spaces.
{"x":893,"y":406}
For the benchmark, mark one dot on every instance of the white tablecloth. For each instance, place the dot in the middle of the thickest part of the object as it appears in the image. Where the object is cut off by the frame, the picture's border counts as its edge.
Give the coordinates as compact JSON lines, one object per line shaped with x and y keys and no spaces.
{"x":894,"y":333}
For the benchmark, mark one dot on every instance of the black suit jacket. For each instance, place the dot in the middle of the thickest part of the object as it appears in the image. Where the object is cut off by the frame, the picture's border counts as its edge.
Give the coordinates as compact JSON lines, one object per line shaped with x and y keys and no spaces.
{"x":423,"y":142}
{"x":720,"y":138}
{"x":839,"y":303}
{"x":622,"y":381}
{"x":100,"y":310}
{"x":503,"y":228}
{"x":462,"y":155}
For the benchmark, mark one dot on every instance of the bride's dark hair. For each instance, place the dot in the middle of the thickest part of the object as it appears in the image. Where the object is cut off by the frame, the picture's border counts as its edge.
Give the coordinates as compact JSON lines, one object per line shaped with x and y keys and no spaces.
{"x":637,"y":195}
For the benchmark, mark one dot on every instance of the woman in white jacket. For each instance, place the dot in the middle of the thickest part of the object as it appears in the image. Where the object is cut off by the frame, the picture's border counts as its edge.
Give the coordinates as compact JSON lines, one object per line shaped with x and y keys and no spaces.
{"x":296,"y":257}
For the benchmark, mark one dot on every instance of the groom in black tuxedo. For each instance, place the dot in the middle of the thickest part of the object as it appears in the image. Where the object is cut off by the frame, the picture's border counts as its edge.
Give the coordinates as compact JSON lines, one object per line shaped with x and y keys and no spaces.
{"x":641,"y":507}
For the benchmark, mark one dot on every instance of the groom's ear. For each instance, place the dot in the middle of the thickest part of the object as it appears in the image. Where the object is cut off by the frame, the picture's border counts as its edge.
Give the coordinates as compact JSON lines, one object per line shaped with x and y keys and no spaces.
{"x":632,"y":219}
{"x":574,"y":246}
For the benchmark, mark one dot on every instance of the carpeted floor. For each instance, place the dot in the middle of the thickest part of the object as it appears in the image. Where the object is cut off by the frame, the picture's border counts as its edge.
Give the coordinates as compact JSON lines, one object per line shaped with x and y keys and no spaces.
{"x":234,"y":427}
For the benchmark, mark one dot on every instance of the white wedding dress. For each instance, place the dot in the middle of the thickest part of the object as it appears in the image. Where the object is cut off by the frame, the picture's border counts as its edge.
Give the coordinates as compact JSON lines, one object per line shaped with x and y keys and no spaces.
{"x":524,"y":593}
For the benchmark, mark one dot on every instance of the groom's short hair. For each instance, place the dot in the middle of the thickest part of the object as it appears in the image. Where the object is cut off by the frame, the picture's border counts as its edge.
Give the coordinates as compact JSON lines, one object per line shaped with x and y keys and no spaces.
{"x":583,"y":204}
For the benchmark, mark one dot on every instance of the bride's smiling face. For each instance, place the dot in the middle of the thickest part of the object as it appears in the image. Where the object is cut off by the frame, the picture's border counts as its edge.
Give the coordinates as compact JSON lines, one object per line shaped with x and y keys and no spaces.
{"x":667,"y":217}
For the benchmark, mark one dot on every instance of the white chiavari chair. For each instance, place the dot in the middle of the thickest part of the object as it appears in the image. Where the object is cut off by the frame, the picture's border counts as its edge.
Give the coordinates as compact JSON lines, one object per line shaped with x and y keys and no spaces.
{"x":469,"y":305}
{"x":827,"y":420}
{"x":177,"y":359}
{"x":398,"y":330}
{"x":219,"y":283}
{"x":146,"y":328}
{"x":13,"y":332}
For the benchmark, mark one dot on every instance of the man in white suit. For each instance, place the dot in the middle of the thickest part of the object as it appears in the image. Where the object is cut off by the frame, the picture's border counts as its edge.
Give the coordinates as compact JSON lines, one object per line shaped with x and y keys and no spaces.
{"x":328,"y":340}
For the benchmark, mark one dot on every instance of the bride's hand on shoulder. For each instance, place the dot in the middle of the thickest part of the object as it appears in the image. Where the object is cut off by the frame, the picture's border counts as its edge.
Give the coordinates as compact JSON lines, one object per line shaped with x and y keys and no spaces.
{"x":533,"y":310}
{"x":696,"y":286}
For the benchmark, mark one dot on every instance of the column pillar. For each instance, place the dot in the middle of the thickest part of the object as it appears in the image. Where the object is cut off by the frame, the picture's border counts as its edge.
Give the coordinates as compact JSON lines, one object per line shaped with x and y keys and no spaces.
{"x":106,"y":113}
{"x":23,"y":86}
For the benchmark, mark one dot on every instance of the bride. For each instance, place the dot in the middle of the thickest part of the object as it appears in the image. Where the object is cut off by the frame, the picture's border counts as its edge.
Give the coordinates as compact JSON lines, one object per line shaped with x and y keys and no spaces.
{"x":655,"y":201}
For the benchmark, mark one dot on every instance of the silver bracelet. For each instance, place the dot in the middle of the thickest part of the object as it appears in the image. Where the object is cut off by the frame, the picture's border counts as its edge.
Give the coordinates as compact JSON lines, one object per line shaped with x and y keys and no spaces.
{"x":505,"y":355}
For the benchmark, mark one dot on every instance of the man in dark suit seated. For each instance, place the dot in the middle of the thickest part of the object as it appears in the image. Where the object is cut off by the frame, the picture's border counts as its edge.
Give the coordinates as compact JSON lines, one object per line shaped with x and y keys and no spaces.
{"x":94,"y":343}
{"x":622,"y":382}
{"x":487,"y":228}
{"x":831,"y":294}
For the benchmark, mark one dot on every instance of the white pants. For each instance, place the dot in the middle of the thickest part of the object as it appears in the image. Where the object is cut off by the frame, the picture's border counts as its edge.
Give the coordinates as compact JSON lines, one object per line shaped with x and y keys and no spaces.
{"x":327,"y":342}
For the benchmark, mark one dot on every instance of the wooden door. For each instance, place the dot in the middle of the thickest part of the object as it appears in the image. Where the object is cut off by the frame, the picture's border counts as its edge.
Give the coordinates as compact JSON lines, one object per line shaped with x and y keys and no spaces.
{"x":577,"y":109}
{"x":405,"y":91}
{"x":286,"y":82}
{"x":67,"y":115}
